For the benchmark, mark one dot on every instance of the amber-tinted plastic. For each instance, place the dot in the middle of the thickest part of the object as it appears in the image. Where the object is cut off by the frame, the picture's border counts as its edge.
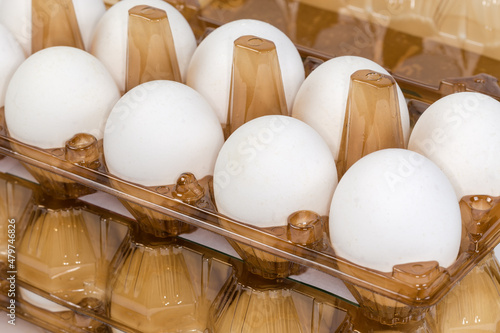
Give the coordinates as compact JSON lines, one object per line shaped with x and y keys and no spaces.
{"x":83,"y":150}
{"x":304,"y":228}
{"x":248,"y":303}
{"x":183,"y":271}
{"x":154,"y":290}
{"x":56,"y":254}
{"x":261,"y":240}
{"x":422,"y":67}
{"x":421,"y":43}
{"x":474,"y":304}
{"x":151,"y":50}
{"x":187,"y":189}
{"x":372,"y":118}
{"x":54,"y":24}
{"x":256,"y":83}
{"x":190,"y":9}
{"x":14,"y":199}
{"x":65,"y":251}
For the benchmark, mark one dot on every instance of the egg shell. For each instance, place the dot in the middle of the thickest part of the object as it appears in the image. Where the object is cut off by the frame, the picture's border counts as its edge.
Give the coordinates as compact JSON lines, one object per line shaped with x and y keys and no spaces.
{"x":271,"y":167}
{"x":57,"y":93}
{"x":159,"y":130}
{"x":395,"y":206}
{"x":16,"y":16}
{"x":11,"y":55}
{"x":210,"y":68}
{"x":322,"y":98}
{"x":111,"y":37}
{"x":461,"y":134}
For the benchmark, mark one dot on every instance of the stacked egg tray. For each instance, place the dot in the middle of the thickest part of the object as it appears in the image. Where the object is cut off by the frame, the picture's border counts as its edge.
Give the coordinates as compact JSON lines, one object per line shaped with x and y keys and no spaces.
{"x":415,"y":288}
{"x":208,"y":273}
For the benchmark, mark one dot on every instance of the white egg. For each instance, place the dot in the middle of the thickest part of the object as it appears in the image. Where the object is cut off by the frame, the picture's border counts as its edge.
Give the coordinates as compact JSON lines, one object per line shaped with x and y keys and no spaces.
{"x":210,"y":68}
{"x":159,"y":130}
{"x":322,"y":98}
{"x":395,"y":206}
{"x":57,"y":93}
{"x":461,"y":134}
{"x":271,"y":167}
{"x":16,"y":15}
{"x":11,"y":55}
{"x":111,"y":36}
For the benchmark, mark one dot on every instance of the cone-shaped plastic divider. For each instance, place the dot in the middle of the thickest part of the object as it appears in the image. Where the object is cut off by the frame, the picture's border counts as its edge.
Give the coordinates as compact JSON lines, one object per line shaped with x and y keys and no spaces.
{"x":54,"y":23}
{"x":151,"y":50}
{"x":256,"y":82}
{"x":372,"y":120}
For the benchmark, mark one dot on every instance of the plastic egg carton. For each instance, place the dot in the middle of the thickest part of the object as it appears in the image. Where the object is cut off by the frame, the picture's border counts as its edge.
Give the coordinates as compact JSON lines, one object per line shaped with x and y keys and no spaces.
{"x":414,"y":289}
{"x":112,"y":238}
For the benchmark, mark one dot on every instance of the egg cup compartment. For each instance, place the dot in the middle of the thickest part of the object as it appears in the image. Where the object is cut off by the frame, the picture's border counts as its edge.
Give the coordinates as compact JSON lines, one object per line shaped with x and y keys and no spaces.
{"x":304,"y":228}
{"x":251,"y":303}
{"x":474,"y":303}
{"x":65,"y":250}
{"x":200,"y":274}
{"x":187,"y":189}
{"x":83,"y":149}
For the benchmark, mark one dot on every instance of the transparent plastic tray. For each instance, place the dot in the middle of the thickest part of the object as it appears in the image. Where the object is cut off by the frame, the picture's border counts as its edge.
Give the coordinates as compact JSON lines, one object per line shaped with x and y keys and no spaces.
{"x":295,"y":17}
{"x":210,"y":271}
{"x":325,"y":260}
{"x":432,"y":49}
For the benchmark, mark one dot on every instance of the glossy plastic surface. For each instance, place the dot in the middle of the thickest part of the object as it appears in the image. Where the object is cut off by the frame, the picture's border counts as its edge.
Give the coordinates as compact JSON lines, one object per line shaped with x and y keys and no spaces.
{"x":422,"y":67}
{"x":249,"y":303}
{"x":83,"y":149}
{"x":423,"y":44}
{"x":474,"y":304}
{"x":262,"y":240}
{"x":256,"y":82}
{"x":151,"y":50}
{"x":54,"y":24}
{"x":372,"y":119}
{"x":159,"y":285}
{"x":187,"y":189}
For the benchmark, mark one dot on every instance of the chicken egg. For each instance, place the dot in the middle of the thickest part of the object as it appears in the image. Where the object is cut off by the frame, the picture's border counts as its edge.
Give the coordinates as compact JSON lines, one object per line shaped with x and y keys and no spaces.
{"x":56,"y":93}
{"x":322,"y":98}
{"x":392,"y":207}
{"x":11,"y":55}
{"x":460,"y":134}
{"x":111,"y":37}
{"x":159,"y":130}
{"x":16,"y":16}
{"x":210,"y":69}
{"x":271,"y":167}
